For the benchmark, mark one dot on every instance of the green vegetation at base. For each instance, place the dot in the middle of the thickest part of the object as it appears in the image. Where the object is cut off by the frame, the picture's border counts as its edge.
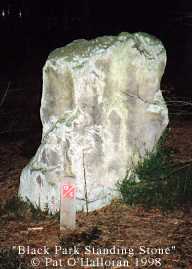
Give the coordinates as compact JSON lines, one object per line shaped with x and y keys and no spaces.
{"x":17,"y":208}
{"x":156,"y":183}
{"x":10,"y":259}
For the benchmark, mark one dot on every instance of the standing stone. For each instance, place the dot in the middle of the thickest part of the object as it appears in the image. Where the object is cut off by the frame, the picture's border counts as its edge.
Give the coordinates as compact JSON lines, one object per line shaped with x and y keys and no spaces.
{"x":101,"y":109}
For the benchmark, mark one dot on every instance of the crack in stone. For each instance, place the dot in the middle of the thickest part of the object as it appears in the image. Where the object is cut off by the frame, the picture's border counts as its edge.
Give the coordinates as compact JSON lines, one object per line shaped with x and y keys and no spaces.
{"x":138,"y":97}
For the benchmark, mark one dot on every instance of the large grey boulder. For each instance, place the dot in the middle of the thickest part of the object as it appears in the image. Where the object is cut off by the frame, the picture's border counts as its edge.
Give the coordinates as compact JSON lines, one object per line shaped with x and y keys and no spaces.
{"x":101,"y":109}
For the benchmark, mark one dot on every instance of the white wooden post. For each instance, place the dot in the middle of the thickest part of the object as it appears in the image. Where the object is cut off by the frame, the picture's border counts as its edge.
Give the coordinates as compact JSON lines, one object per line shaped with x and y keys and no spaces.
{"x":68,"y":203}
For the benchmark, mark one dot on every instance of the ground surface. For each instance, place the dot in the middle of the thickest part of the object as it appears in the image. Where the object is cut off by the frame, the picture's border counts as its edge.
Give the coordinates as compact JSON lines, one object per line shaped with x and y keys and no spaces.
{"x":115,"y":225}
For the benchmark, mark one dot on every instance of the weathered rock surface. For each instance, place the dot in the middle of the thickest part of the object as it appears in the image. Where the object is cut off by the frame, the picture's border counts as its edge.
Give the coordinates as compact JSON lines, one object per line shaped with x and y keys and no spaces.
{"x":101,"y":108}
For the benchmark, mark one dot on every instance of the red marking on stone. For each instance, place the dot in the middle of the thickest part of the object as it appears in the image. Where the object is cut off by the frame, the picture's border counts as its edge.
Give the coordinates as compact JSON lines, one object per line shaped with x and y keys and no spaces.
{"x":68,"y":191}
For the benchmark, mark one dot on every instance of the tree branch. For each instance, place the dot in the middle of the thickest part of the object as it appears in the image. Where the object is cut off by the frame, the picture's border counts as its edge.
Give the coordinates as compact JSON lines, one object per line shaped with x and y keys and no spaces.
{"x":5,"y":94}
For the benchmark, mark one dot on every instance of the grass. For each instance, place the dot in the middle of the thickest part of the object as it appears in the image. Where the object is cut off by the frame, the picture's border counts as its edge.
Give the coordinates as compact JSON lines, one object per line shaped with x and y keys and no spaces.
{"x":80,"y":239}
{"x":10,"y":259}
{"x":16,"y":208}
{"x":156,"y":183}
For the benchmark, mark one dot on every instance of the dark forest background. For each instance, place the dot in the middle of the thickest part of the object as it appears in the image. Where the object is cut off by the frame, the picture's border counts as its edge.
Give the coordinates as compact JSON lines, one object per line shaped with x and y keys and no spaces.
{"x":30,"y":30}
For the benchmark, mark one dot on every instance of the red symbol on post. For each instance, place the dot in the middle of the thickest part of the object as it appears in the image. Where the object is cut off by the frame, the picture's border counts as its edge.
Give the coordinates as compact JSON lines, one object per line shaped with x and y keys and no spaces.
{"x":68,"y":191}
